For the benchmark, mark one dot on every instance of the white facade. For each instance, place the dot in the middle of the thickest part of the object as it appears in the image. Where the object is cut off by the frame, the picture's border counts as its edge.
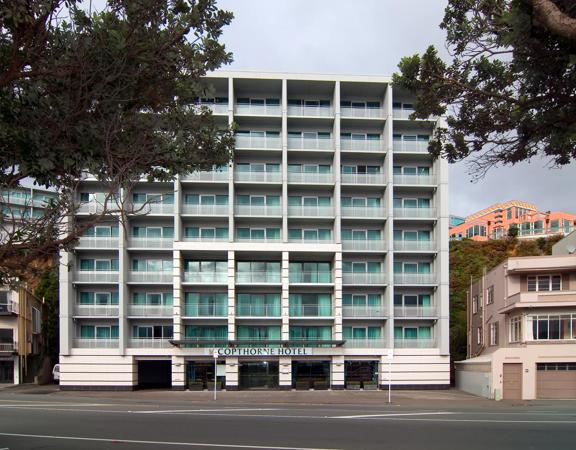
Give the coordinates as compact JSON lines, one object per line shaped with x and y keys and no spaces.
{"x":322,"y":247}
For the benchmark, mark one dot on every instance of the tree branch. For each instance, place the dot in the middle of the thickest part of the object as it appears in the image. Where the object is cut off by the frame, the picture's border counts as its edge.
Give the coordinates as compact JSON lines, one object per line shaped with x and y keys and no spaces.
{"x":549,"y":16}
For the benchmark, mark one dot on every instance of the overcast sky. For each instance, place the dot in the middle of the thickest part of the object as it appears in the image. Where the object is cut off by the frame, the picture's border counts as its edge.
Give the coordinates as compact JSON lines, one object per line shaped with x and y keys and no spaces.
{"x":369,"y":37}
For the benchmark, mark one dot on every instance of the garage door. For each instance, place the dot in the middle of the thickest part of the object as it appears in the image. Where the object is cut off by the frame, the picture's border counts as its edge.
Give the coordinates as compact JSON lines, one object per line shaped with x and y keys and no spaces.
{"x":556,"y":380}
{"x":154,"y":374}
{"x":512,"y":382}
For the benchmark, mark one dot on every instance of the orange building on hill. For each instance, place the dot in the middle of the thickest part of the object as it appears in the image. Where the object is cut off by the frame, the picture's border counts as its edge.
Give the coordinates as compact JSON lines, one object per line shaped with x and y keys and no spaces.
{"x":496,"y":221}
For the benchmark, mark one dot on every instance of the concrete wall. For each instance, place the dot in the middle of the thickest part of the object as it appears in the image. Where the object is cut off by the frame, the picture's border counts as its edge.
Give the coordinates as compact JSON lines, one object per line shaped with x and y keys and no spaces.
{"x":474,"y":380}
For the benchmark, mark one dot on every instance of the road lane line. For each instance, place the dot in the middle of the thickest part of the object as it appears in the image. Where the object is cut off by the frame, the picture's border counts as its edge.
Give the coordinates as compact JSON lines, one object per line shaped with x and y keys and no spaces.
{"x":370,"y":416}
{"x":417,"y":419}
{"x":133,"y":441}
{"x":177,"y":411}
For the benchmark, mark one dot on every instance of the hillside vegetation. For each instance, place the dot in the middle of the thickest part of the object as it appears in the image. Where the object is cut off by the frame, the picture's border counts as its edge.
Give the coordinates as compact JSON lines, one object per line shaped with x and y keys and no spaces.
{"x":467,"y":260}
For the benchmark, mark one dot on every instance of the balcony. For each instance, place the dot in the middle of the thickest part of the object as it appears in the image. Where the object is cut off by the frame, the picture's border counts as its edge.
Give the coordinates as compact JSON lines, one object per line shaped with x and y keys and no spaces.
{"x":415,"y":213}
{"x":310,"y":211}
{"x":215,"y":108}
{"x":100,"y":276}
{"x":310,"y":178}
{"x":149,"y":343}
{"x":207,"y":175}
{"x":296,"y":143}
{"x":363,"y":278}
{"x":415,"y":278}
{"x":258,"y":210}
{"x":365,"y":343}
{"x":150,"y":310}
{"x":206,"y":277}
{"x":362,"y":145}
{"x":138,"y":242}
{"x":414,"y":343}
{"x":150,"y":277}
{"x":410,"y":146}
{"x":398,"y":113}
{"x":310,"y":111}
{"x":415,"y":246}
{"x":259,"y":142}
{"x":151,"y":208}
{"x":542,"y":299}
{"x":311,"y":311}
{"x":8,"y":347}
{"x":257,"y":277}
{"x":361,"y":113}
{"x":96,"y":310}
{"x":205,"y":239}
{"x":364,"y":312}
{"x":258,"y":177}
{"x":364,"y":245}
{"x":91,"y":208}
{"x":310,"y":277}
{"x":360,"y":212}
{"x":258,"y":239}
{"x":415,"y":311}
{"x":258,"y":310}
{"x":311,"y":241}
{"x":205,"y":210}
{"x":415,"y":180}
{"x":206,"y":310}
{"x":95,"y":343}
{"x":98,"y":242}
{"x":257,"y":110}
{"x":363,"y":178}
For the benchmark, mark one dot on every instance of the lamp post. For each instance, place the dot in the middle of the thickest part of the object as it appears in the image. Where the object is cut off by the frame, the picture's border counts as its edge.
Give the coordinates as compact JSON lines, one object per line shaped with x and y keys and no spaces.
{"x":215,"y":356}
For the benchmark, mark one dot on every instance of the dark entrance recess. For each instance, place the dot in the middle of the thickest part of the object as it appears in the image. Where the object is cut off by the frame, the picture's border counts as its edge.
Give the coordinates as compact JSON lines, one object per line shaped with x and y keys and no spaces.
{"x":154,"y":374}
{"x":200,"y":375}
{"x":259,"y":375}
{"x":6,"y":371}
{"x":311,"y":374}
{"x":360,"y":372}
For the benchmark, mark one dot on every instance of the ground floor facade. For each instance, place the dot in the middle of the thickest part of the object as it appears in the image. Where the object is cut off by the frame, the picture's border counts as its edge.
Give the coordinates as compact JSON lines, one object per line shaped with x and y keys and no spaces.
{"x":252,"y":368}
{"x":535,"y":371}
{"x":10,"y":369}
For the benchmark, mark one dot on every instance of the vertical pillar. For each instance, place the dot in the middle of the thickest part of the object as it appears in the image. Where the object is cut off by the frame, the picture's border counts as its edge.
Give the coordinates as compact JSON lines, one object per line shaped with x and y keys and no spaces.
{"x":178,"y":373}
{"x":231,"y":296}
{"x":337,"y":372}
{"x":66,"y":303}
{"x":284,"y":137}
{"x":123,"y":267}
{"x":231,"y":193}
{"x":232,"y":369}
{"x":177,"y":209}
{"x":389,"y":226}
{"x":285,"y":373}
{"x":337,"y":301}
{"x":177,"y":295}
{"x":285,"y":298}
{"x":337,"y":164}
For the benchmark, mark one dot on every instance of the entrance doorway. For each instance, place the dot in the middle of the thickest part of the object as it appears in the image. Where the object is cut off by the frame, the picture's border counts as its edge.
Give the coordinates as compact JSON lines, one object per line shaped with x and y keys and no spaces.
{"x":311,"y":374}
{"x":361,"y":373}
{"x":259,"y":375}
{"x":7,"y":372}
{"x":200,"y":375}
{"x":154,"y":374}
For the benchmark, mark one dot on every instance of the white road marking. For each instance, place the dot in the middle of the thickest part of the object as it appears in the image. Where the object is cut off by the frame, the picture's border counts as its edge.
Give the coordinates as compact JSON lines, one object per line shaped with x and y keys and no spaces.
{"x":180,"y":411}
{"x":132,"y":441}
{"x":369,"y":416}
{"x":417,"y":419}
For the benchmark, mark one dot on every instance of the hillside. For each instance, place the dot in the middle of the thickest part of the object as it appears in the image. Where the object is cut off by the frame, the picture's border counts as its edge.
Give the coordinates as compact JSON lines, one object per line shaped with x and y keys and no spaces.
{"x":467,"y":260}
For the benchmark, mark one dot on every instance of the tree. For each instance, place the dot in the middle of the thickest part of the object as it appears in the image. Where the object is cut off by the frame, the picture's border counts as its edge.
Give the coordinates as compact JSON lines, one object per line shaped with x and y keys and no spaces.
{"x":509,"y":92}
{"x":48,"y":290}
{"x":110,"y":94}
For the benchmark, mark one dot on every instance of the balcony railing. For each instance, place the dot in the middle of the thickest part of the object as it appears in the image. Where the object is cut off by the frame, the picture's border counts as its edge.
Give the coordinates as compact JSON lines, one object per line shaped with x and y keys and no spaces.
{"x":366,"y":311}
{"x":97,"y":242}
{"x":414,"y":311}
{"x":363,"y":278}
{"x":410,"y":146}
{"x":414,"y":343}
{"x":205,"y":210}
{"x":257,"y":239}
{"x":311,"y":241}
{"x":371,"y":113}
{"x":216,"y":108}
{"x":100,"y":276}
{"x":206,"y":277}
{"x":258,"y":210}
{"x":415,"y":246}
{"x":95,"y":343}
{"x":310,"y":310}
{"x":149,"y":343}
{"x":139,"y":242}
{"x":150,"y":310}
{"x":150,"y":277}
{"x":362,"y":145}
{"x":363,"y":211}
{"x":310,"y":111}
{"x":259,"y":177}
{"x":258,"y":110}
{"x":96,"y":310}
{"x":415,"y":213}
{"x":364,"y":245}
{"x":10,"y":307}
{"x":310,"y":211}
{"x":206,"y":175}
{"x":257,"y":277}
{"x":258,"y":310}
{"x":205,"y":239}
{"x":419,"y":180}
{"x":259,"y":142}
{"x":363,"y":178}
{"x":206,"y":310}
{"x":415,"y":278}
{"x":310,"y":277}
{"x":398,"y":113}
{"x":8,"y":346}
{"x":310,"y":177}
{"x":296,"y":143}
{"x":365,"y":343}
{"x":92,"y":208}
{"x":152,"y":208}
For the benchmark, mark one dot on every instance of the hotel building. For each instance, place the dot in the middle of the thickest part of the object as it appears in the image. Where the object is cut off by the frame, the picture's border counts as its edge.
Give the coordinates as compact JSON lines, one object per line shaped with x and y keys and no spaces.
{"x":316,"y":257}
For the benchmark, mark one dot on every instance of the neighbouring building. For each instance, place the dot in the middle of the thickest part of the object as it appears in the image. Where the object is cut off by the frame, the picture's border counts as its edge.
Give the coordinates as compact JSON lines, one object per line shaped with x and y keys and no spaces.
{"x":319,"y":252}
{"x":496,"y":221}
{"x":21,"y":343}
{"x":522,"y":331}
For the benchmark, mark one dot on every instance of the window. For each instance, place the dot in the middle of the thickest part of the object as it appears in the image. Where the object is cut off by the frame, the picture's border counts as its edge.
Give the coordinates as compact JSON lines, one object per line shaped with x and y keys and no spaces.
{"x":479,"y":336}
{"x":544,"y":283}
{"x":416,"y":300}
{"x":257,"y":233}
{"x":152,"y":332}
{"x":413,"y":333}
{"x":152,"y":298}
{"x":553,"y":327}
{"x":98,"y":331}
{"x":36,"y":321}
{"x":494,"y":333}
{"x":490,"y":295}
{"x":474,"y":304}
{"x":362,"y":300}
{"x":516,"y":329}
{"x":312,"y":234}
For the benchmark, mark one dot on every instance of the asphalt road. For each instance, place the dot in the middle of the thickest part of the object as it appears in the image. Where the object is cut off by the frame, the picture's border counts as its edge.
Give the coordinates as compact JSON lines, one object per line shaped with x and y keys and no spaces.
{"x":163,"y":421}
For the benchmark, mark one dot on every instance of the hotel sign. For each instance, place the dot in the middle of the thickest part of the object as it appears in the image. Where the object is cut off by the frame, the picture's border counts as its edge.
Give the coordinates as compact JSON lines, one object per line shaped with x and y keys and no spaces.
{"x":268,"y":351}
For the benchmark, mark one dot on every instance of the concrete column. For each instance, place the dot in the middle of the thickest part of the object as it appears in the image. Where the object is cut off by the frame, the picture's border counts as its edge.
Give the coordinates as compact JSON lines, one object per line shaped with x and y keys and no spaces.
{"x":337,"y":370}
{"x":285,"y":298}
{"x":232,"y":374}
{"x":178,"y":373}
{"x":231,"y":192}
{"x":67,"y":299}
{"x":285,"y":373}
{"x":123,"y":268}
{"x":284,"y":138}
{"x":337,"y":300}
{"x":231,"y":296}
{"x":337,"y":164}
{"x":178,"y":235}
{"x":388,"y":298}
{"x":177,"y":294}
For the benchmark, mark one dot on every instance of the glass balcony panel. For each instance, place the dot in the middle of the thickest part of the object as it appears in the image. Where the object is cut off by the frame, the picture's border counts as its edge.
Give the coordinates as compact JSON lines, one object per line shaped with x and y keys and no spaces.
{"x":257,"y":277}
{"x":258,"y":142}
{"x":365,"y":343}
{"x":363,"y":211}
{"x":96,"y":310}
{"x":97,"y":276}
{"x":363,"y":178}
{"x":95,"y":343}
{"x":206,"y":277}
{"x":415,"y":213}
{"x":301,"y":143}
{"x":415,"y":278}
{"x":258,"y":177}
{"x":258,"y":210}
{"x":415,"y":246}
{"x":415,"y":180}
{"x":258,"y":110}
{"x":206,"y":309}
{"x":310,"y":211}
{"x":362,"y":145}
{"x":138,"y":242}
{"x":251,"y":310}
{"x":364,"y":245}
{"x":414,"y":343}
{"x":363,"y":278}
{"x":410,"y":146}
{"x":414,"y":311}
{"x":310,"y":111}
{"x":365,"y":311}
{"x":207,"y":175}
{"x":305,"y":277}
{"x":149,"y":343}
{"x":310,"y":310}
{"x":98,"y":242}
{"x":310,"y":177}
{"x":150,"y":277}
{"x":370,"y":113}
{"x":150,"y":310}
{"x":205,"y":210}
{"x":152,"y":208}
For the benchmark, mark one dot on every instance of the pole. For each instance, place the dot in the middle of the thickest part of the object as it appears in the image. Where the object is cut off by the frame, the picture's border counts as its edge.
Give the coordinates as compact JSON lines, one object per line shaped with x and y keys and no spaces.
{"x":389,"y":380}
{"x":215,"y":372}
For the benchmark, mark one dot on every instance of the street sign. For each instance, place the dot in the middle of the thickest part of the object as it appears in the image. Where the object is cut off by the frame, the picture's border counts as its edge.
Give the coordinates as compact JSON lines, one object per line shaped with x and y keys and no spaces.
{"x":215,"y":354}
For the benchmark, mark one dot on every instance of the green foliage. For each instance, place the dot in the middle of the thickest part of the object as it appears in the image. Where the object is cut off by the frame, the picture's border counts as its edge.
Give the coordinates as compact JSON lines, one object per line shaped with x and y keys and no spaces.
{"x":48,"y":289}
{"x":509,"y":90}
